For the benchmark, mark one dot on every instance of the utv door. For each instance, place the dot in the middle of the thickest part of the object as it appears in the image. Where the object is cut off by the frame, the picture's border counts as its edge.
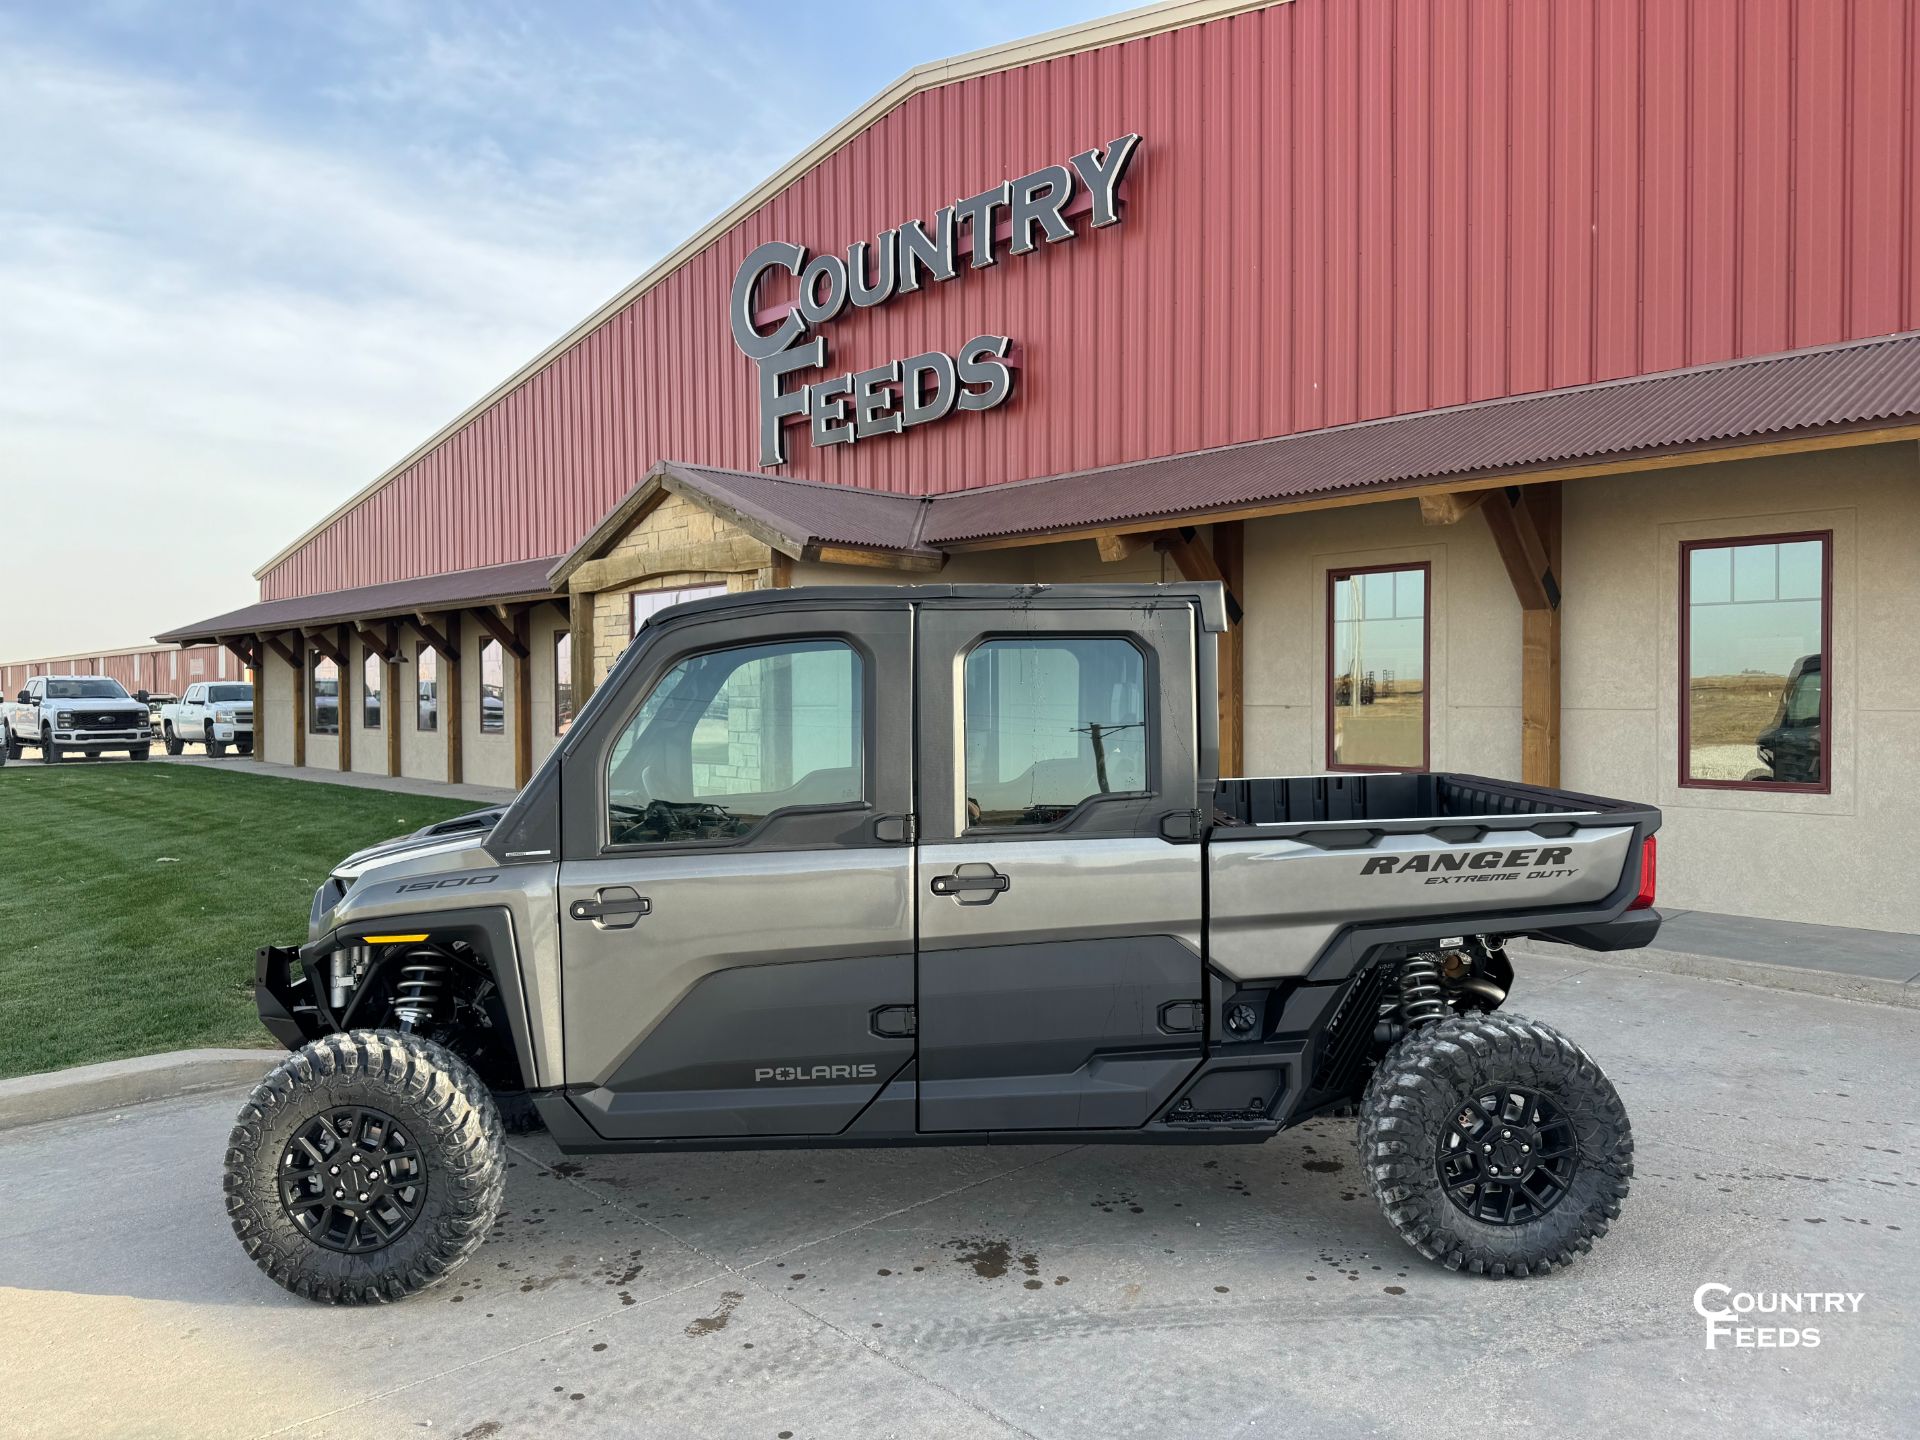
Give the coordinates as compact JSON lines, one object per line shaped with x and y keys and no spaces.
{"x":1059,"y":963}
{"x":736,"y":937}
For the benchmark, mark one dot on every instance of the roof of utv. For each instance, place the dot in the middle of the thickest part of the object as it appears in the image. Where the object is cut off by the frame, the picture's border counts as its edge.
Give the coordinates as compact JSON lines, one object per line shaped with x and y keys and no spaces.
{"x":1210,"y":595}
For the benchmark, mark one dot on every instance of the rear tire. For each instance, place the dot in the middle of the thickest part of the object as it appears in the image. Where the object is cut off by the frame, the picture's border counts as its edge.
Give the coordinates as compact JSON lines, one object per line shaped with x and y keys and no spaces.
{"x":9,"y":747}
{"x":433,"y":1199}
{"x":1441,"y":1131}
{"x":173,"y":742}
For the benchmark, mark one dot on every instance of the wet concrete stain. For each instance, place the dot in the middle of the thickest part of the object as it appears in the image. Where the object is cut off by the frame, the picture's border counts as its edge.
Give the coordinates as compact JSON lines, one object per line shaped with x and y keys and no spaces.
{"x":1323,"y":1167}
{"x":710,"y":1324}
{"x":568,"y":1169}
{"x":991,"y":1259}
{"x":482,"y":1431}
{"x":1395,"y":1289}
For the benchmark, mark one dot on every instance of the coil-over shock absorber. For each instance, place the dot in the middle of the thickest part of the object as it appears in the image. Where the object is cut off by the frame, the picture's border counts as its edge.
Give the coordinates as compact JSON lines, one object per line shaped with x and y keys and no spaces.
{"x":1421,"y":1000}
{"x":420,"y":988}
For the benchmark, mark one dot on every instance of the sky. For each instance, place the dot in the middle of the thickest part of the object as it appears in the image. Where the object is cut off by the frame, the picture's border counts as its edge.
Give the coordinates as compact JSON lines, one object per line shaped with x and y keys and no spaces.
{"x":252,"y":254}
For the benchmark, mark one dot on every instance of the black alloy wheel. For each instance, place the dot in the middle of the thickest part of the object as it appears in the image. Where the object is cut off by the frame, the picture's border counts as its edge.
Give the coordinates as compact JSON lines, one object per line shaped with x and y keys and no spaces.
{"x":1509,"y":1156}
{"x":352,"y":1180}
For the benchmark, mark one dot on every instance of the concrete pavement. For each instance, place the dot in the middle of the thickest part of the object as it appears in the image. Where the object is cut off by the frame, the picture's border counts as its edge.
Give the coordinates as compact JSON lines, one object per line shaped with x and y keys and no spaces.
{"x":1056,"y":1291}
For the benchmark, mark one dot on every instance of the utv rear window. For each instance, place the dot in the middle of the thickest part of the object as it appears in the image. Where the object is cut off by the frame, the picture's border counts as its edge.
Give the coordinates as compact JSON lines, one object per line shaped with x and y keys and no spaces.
{"x":1051,"y":723}
{"x":727,"y":738}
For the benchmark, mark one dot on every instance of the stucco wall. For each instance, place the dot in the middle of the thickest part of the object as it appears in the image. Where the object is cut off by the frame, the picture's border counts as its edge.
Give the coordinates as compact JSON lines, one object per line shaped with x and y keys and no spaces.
{"x":369,"y":746}
{"x":275,"y":676}
{"x":1782,"y":856}
{"x":1474,"y":633}
{"x":423,"y":754}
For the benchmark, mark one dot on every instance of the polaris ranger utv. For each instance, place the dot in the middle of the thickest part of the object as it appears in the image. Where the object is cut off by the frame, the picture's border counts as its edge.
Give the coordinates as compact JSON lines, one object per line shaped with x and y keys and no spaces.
{"x":928,"y":866}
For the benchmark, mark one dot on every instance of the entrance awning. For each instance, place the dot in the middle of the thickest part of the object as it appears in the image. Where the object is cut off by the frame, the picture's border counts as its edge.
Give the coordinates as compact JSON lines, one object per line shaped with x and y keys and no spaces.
{"x":490,"y":585}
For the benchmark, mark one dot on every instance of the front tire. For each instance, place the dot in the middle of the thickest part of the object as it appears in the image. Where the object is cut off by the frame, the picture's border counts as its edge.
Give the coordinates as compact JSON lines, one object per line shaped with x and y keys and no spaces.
{"x":1495,"y":1145}
{"x":365,"y":1168}
{"x":49,"y":752}
{"x":215,"y":748}
{"x":139,"y":752}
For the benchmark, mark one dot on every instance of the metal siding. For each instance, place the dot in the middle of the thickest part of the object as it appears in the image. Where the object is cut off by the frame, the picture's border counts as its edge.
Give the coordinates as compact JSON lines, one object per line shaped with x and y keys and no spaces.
{"x":1339,"y":212}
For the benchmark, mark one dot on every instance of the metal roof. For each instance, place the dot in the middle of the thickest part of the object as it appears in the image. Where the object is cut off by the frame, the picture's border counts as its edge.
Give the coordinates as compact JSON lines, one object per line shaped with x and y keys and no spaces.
{"x":1861,"y":382}
{"x":522,"y":580}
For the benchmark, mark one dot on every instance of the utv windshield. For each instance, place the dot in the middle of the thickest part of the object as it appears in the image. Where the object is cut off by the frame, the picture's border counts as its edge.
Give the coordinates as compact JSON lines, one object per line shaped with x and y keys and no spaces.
{"x":85,"y":690}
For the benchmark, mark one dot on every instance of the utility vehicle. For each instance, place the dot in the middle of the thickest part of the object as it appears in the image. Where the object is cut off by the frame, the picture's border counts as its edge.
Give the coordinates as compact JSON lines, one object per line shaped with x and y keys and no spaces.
{"x":929,"y":866}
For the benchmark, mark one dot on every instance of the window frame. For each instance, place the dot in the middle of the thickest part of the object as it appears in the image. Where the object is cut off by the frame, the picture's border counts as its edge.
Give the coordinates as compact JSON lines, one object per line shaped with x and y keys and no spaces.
{"x":371,"y":658}
{"x":869,"y":769}
{"x":563,"y":676}
{"x":418,"y":698}
{"x":1150,"y":716}
{"x":1334,"y":576}
{"x":480,"y":688}
{"x":1824,"y":786}
{"x":314,"y":660}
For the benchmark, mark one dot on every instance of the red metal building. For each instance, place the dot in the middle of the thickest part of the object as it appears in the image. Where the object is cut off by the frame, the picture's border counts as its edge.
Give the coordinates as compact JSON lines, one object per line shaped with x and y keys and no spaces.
{"x":1643,"y":273}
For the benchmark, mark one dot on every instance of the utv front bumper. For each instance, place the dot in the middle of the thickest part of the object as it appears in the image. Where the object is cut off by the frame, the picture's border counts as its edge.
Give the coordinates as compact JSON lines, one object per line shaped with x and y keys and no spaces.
{"x":278,"y":998}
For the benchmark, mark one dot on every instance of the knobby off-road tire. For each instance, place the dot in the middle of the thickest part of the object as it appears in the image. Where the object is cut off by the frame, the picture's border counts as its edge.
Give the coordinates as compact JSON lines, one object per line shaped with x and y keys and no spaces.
{"x":1433,"y":1086}
{"x":438,"y":1106}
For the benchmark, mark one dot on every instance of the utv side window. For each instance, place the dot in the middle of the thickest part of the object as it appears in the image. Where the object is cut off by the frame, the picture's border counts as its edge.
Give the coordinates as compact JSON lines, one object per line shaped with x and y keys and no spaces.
{"x":1051,"y":723}
{"x":728,"y":737}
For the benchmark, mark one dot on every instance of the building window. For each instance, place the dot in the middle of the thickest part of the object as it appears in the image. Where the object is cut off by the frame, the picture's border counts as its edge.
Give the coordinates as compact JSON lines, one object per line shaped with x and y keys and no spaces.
{"x":323,"y":690}
{"x":426,"y":711}
{"x":493,"y":689}
{"x":1051,"y":724}
{"x":729,"y":737}
{"x":1377,"y":668}
{"x":647,"y":603}
{"x":562,"y":683}
{"x":1755,"y":620}
{"x":372,"y":686}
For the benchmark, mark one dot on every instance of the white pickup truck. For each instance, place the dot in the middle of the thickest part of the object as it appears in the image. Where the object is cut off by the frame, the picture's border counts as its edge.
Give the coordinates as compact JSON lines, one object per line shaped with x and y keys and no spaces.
{"x":74,"y":715}
{"x":216,"y":713}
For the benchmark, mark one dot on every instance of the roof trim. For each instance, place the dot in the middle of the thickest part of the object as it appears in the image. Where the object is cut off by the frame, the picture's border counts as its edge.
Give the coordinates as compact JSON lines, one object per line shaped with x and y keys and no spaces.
{"x":515,"y":580}
{"x":1094,"y":34}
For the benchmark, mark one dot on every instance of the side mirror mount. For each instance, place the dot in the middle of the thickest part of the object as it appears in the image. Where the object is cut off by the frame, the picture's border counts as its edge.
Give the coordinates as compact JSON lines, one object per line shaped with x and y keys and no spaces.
{"x":22,"y":697}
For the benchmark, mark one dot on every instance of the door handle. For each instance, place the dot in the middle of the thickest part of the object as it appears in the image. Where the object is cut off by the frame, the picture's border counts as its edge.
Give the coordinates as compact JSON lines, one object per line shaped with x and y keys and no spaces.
{"x":981,"y":880}
{"x":617,"y":908}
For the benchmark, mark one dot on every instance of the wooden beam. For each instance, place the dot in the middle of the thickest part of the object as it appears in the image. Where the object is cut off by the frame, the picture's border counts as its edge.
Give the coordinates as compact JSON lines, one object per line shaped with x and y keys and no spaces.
{"x":284,"y":651}
{"x":1516,"y":534}
{"x":782,"y":571}
{"x":1229,"y":553}
{"x":1196,"y":562}
{"x":562,"y":603}
{"x":432,"y":634}
{"x":1451,"y":507}
{"x":522,"y":700}
{"x":1115,"y":547}
{"x":450,"y":713}
{"x":873,"y":559}
{"x":259,"y":701}
{"x":502,"y":630}
{"x":384,"y":647}
{"x":580,"y":627}
{"x":325,"y":642}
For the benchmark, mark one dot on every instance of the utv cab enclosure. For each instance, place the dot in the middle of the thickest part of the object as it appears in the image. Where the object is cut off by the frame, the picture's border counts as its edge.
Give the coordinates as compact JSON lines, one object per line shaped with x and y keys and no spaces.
{"x":938,"y":865}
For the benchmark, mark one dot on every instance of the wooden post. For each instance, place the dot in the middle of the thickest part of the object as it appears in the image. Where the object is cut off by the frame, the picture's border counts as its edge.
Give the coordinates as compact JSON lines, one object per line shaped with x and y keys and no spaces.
{"x":450,"y":714}
{"x":390,"y":708}
{"x":523,"y":699}
{"x":1526,"y":529}
{"x":580,"y":627}
{"x":300,"y":708}
{"x":344,"y":638}
{"x":1229,"y":556}
{"x":260,"y":698}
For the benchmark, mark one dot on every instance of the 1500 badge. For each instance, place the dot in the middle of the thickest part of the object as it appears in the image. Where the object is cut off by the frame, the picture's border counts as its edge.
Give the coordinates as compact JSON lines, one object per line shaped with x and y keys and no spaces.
{"x":788,"y":1073}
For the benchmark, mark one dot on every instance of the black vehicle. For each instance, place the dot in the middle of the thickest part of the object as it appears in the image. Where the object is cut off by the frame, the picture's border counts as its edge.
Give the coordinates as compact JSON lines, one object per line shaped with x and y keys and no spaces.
{"x":1790,"y":747}
{"x":938,"y":865}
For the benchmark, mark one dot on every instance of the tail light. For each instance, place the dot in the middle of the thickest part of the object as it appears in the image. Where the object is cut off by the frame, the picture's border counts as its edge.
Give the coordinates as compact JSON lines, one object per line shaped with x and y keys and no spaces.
{"x":1649,"y":874}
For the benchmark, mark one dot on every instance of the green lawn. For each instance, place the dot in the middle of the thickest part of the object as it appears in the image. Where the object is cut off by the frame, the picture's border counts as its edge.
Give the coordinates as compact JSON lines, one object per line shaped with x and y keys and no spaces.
{"x":132,"y":898}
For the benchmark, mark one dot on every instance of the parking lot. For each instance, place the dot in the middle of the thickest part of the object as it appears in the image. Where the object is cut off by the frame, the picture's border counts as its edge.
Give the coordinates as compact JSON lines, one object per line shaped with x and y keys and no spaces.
{"x":1059,"y":1291}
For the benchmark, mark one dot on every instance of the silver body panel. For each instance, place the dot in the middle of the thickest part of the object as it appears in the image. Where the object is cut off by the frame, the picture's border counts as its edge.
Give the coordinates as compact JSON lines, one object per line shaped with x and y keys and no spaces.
{"x":1275,"y":902}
